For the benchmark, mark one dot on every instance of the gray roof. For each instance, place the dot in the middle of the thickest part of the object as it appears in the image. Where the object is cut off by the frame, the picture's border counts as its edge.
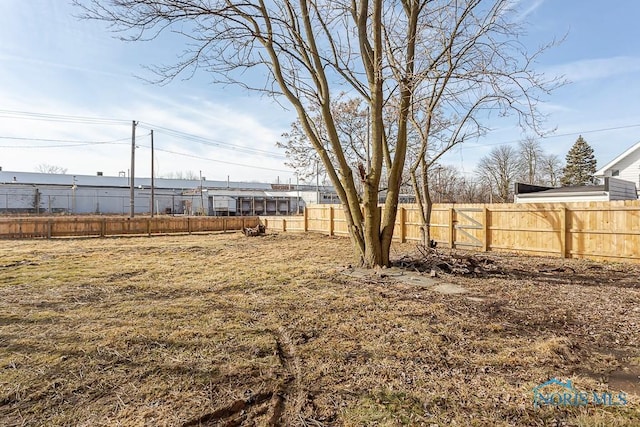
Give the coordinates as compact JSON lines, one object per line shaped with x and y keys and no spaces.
{"x":573,"y":189}
{"x":36,"y":178}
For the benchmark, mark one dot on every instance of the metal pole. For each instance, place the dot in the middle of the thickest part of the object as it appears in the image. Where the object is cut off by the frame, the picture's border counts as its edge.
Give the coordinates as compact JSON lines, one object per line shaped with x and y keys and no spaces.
{"x":439,"y":169}
{"x":317,"y":182}
{"x":201,"y":196}
{"x":298,"y":188}
{"x":133,"y":165}
{"x":73,"y":192}
{"x":152,"y":174}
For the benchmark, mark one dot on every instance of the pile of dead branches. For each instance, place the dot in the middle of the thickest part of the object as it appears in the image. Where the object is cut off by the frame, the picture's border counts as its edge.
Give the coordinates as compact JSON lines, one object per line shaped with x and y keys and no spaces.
{"x":435,"y":261}
{"x":258,"y":230}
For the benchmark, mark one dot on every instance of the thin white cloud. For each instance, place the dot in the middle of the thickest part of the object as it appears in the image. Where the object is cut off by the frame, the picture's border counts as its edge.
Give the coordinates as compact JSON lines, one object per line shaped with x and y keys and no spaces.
{"x":529,"y":10}
{"x":596,"y":69}
{"x":513,"y":7}
{"x":13,"y":59}
{"x":202,"y":118}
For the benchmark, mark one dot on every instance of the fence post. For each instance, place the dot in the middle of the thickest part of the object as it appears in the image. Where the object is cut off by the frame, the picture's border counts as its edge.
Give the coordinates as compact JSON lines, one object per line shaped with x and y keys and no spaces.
{"x":486,"y":217}
{"x":331,"y":218}
{"x":452,"y":229}
{"x":188,"y":225}
{"x":103,"y":227}
{"x":403,"y":221}
{"x":49,"y":223}
{"x":306,"y":219}
{"x":284,"y":224}
{"x":563,"y":232}
{"x":149,"y":227}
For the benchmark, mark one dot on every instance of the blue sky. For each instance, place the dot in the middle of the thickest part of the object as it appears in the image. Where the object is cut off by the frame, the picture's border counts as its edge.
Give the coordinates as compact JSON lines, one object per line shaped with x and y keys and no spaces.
{"x":52,"y":63}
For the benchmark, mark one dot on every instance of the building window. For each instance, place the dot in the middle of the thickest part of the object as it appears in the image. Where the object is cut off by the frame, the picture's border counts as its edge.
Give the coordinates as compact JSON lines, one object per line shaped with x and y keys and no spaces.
{"x":615,"y":172}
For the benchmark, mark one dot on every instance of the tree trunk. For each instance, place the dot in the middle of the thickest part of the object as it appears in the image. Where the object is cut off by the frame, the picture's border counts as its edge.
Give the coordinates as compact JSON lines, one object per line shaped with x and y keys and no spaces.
{"x":428,"y":205}
{"x":373,"y":254}
{"x":426,"y":227}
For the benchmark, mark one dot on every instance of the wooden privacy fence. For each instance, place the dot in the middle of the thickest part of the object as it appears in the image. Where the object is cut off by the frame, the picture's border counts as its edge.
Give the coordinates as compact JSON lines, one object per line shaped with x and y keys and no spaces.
{"x":597,"y":230}
{"x":39,"y":227}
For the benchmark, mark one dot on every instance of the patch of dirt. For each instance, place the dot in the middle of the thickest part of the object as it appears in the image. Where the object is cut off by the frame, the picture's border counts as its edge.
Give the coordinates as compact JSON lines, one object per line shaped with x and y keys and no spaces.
{"x":627,"y":378}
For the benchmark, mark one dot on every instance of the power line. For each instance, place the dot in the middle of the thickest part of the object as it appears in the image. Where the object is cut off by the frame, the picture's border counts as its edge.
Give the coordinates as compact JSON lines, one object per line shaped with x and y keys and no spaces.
{"x":161,"y":129}
{"x":73,"y":143}
{"x":556,"y":136}
{"x":193,"y":156}
{"x":593,"y":131}
{"x":210,"y":141}
{"x":60,"y":118}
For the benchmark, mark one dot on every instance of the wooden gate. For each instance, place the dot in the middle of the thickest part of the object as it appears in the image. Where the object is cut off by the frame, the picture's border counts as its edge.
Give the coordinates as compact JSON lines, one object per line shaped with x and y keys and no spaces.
{"x":468,"y":229}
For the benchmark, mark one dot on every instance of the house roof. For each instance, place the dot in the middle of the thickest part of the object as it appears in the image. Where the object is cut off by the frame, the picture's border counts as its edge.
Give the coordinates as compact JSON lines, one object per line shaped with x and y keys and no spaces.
{"x":527,"y":190}
{"x":601,"y":171}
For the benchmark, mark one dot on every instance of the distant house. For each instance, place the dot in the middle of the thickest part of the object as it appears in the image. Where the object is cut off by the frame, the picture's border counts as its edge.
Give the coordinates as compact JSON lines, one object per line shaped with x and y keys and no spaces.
{"x":612,"y":189}
{"x":626,"y":166}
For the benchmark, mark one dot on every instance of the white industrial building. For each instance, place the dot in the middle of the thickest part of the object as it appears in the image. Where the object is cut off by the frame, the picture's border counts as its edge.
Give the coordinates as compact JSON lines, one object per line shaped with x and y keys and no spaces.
{"x":41,"y":193}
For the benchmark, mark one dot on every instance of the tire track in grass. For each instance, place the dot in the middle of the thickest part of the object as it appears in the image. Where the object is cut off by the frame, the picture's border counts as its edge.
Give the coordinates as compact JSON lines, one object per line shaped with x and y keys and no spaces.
{"x":284,"y":404}
{"x":290,"y":398}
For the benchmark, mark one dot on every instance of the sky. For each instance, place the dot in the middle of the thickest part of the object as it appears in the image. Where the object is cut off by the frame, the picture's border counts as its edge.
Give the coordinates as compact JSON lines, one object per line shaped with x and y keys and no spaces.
{"x":58,"y":74}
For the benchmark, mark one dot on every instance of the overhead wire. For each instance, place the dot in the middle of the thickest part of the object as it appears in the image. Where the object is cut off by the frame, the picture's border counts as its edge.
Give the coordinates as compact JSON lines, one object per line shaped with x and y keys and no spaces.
{"x":72,"y":143}
{"x":210,"y":141}
{"x":193,"y":156}
{"x":158,"y":129}
{"x":561,"y":135}
{"x":60,"y":118}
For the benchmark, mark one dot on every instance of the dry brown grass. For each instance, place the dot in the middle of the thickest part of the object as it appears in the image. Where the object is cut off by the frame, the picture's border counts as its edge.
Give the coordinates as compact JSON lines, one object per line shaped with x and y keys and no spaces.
{"x":227,"y":330}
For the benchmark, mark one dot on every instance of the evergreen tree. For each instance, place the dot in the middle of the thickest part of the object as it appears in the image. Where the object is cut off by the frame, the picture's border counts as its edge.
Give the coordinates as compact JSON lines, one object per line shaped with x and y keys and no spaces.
{"x":581,"y":164}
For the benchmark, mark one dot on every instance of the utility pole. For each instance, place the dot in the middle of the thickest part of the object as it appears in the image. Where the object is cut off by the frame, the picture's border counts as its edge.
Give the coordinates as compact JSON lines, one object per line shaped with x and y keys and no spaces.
{"x":317,"y":181}
{"x":298,"y":189}
{"x":201,"y":196}
{"x":439,"y":169}
{"x":152,"y":186}
{"x":133,"y":165}
{"x":74,"y":187}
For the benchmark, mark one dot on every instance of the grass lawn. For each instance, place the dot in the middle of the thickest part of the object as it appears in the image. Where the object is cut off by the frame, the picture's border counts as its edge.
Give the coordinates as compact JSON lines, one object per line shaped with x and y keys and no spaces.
{"x":228,"y":330}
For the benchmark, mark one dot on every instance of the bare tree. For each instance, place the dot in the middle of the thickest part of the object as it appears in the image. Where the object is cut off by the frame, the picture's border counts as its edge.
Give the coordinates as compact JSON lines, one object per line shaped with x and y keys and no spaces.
{"x":450,"y":186}
{"x":551,"y":168}
{"x":499,"y":171}
{"x":351,"y":118}
{"x":185,"y":175}
{"x":53,"y":169}
{"x":382,"y":53}
{"x":531,"y":158}
{"x":474,"y":66}
{"x":472,"y":191}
